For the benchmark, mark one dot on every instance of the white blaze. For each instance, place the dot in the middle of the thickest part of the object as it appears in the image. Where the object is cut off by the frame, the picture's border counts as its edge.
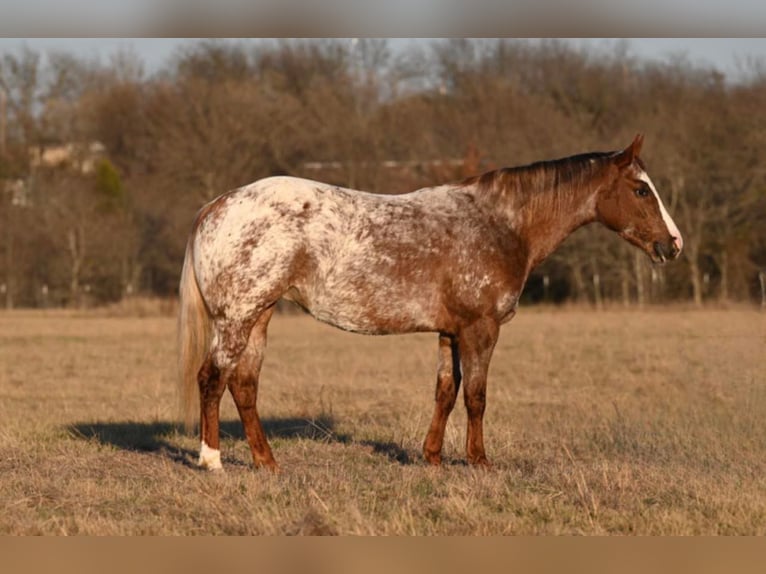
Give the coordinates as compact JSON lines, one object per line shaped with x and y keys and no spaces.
{"x":209,"y":458}
{"x":672,"y":228}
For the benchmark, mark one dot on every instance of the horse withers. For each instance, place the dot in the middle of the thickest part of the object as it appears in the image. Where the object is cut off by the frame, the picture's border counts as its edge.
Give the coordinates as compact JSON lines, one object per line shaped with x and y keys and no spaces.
{"x":451,"y":259}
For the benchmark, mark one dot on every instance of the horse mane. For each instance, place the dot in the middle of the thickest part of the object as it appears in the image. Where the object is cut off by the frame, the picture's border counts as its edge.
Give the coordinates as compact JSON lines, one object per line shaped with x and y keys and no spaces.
{"x":526,"y":183}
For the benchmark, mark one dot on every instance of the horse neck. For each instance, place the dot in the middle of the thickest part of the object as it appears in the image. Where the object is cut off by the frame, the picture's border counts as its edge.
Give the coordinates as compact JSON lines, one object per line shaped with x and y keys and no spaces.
{"x":546,"y":224}
{"x":541,"y":212}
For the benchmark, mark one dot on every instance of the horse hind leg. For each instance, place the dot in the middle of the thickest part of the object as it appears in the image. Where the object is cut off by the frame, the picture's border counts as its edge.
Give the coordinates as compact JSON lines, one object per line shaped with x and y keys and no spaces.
{"x":218,"y":369}
{"x":243,"y":385}
{"x":211,"y":388}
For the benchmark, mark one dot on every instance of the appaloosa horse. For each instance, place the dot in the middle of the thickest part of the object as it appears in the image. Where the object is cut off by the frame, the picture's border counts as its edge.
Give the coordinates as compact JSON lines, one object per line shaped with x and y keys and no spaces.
{"x":451,"y":259}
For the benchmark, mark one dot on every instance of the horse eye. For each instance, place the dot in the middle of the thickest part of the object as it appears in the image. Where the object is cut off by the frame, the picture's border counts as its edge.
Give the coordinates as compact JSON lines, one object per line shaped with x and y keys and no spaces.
{"x":642,"y":192}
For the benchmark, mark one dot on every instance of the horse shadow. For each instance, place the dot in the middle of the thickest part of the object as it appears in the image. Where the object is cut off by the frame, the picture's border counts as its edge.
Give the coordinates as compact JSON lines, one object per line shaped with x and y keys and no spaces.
{"x":160,"y":437}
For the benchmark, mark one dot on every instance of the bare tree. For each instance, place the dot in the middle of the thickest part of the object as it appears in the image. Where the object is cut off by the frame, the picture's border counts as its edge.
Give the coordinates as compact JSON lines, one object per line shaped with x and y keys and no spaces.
{"x":222,"y":114}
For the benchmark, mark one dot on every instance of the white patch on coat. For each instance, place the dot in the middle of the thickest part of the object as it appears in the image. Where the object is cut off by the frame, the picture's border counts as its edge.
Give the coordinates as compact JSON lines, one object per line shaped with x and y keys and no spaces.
{"x":672,"y":228}
{"x":506,"y":306}
{"x":209,"y":458}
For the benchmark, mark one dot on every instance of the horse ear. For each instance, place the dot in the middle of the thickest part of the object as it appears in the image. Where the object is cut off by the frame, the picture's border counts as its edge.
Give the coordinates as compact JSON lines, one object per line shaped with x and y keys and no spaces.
{"x":625,"y":157}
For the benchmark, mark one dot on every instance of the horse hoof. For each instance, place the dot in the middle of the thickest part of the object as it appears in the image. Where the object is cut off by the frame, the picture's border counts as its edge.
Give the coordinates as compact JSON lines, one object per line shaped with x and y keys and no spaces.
{"x":272,"y":467}
{"x":480,"y":462}
{"x":433,"y":459}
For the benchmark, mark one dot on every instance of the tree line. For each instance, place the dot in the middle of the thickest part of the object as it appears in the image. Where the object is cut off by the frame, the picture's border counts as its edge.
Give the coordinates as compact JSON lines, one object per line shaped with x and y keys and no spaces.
{"x":102,"y":165}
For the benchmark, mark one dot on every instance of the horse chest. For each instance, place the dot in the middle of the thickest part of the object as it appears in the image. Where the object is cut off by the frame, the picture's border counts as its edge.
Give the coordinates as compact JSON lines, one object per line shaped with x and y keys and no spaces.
{"x":506,"y":306}
{"x":489,"y":296}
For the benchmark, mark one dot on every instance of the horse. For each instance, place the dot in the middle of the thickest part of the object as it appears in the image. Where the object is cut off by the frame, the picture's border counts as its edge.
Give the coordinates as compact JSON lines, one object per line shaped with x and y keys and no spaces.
{"x":451,"y":259}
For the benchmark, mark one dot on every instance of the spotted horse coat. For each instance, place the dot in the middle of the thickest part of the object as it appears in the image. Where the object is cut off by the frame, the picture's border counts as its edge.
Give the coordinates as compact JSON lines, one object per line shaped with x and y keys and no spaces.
{"x":451,"y":259}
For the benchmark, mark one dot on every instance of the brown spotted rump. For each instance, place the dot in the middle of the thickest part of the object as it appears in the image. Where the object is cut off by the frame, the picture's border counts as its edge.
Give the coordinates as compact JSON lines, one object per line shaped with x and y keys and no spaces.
{"x":451,"y":259}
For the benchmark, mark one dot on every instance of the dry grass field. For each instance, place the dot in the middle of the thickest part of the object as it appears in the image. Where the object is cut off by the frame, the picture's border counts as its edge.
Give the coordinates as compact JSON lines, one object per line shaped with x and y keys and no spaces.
{"x":614,"y":422}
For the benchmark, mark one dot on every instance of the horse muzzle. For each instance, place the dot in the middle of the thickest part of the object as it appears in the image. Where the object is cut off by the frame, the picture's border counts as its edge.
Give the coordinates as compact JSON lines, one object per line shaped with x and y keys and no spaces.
{"x":666,"y":251}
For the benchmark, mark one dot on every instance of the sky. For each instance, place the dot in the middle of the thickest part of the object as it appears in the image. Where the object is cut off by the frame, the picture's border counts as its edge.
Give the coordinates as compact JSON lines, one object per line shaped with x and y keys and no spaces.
{"x":725,"y":54}
{"x":372,"y":18}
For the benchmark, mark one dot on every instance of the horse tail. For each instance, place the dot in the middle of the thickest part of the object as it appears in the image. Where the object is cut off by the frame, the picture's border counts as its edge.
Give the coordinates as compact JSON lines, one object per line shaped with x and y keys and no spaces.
{"x":193,"y":337}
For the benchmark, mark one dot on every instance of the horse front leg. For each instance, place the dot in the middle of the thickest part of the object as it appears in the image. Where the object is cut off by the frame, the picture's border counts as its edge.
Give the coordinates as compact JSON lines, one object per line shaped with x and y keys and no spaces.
{"x":476,"y":343}
{"x":447,"y":384}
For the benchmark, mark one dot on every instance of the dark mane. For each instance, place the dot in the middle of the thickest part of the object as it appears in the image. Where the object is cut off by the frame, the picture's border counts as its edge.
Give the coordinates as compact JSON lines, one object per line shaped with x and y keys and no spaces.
{"x":535,"y":177}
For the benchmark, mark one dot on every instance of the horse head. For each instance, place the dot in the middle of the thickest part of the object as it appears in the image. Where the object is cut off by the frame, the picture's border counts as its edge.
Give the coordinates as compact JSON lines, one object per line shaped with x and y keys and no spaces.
{"x":631,"y":206}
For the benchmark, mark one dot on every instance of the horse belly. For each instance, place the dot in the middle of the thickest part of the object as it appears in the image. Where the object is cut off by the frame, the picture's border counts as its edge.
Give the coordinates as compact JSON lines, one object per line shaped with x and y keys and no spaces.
{"x":359,"y":311}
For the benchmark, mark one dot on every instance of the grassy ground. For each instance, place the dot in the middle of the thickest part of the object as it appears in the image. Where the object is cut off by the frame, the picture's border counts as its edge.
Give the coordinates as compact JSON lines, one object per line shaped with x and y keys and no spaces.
{"x":612,"y":422}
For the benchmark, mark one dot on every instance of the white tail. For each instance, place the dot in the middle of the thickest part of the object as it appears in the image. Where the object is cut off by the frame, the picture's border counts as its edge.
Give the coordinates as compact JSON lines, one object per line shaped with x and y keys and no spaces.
{"x":193,"y":338}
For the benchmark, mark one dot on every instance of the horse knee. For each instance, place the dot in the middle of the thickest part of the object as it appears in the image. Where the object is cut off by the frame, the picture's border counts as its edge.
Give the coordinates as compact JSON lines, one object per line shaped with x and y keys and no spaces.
{"x":244,"y":391}
{"x":209,"y":380}
{"x":446,"y":392}
{"x":476,"y":401}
